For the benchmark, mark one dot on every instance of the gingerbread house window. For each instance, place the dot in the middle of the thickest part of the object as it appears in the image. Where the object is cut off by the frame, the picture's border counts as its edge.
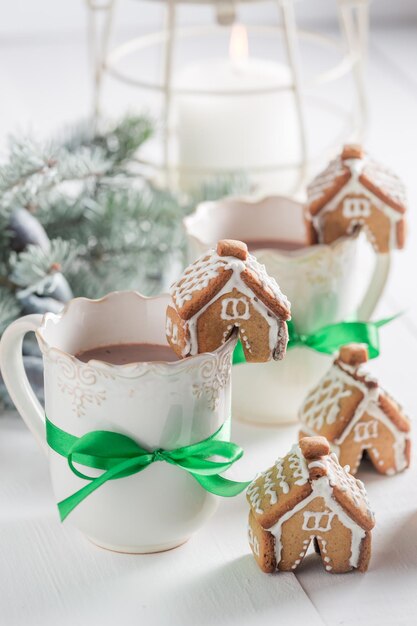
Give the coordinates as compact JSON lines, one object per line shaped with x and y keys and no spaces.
{"x":172,"y":330}
{"x":233,"y":308}
{"x":356,"y":207}
{"x":254,"y":541}
{"x":318,"y":521}
{"x":366,"y":430}
{"x":175,"y":333}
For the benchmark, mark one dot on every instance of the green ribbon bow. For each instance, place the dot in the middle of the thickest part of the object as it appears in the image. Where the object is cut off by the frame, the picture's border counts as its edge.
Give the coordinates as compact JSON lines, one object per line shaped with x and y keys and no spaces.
{"x":330,"y":338}
{"x":120,"y":456}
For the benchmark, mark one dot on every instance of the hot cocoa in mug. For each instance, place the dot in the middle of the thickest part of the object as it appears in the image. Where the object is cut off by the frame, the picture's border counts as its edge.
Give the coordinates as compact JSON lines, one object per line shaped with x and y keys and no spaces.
{"x":125,"y":353}
{"x":107,"y":367}
{"x":325,"y":284}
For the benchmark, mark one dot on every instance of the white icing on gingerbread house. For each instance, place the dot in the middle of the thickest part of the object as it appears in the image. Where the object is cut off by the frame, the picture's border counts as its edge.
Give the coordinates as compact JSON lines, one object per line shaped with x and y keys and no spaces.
{"x":353,"y":192}
{"x":315,"y":498}
{"x":357,"y":416}
{"x":226,"y":290}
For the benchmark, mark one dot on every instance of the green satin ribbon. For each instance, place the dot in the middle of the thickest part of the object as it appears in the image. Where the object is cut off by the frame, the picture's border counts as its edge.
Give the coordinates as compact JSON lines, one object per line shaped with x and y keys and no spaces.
{"x":330,"y":338}
{"x":120,"y":456}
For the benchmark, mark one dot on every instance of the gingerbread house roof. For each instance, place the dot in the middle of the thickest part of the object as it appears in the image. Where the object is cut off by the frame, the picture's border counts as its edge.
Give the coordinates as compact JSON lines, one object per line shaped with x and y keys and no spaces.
{"x":345,"y":393}
{"x":230,"y":264}
{"x":308,"y":470}
{"x":354,"y":164}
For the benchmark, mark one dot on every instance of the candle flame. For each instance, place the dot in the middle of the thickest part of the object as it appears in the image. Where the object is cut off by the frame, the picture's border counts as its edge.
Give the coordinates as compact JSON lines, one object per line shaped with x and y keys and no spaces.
{"x":239,"y":47}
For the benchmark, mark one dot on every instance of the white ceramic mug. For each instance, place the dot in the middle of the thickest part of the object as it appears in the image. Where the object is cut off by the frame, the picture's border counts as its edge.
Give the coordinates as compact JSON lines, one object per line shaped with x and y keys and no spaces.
{"x":324,"y":283}
{"x":158,"y":404}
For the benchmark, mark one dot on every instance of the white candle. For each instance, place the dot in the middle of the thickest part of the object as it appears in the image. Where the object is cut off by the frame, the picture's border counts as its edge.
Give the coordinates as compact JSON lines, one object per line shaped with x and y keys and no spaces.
{"x":240,"y":131}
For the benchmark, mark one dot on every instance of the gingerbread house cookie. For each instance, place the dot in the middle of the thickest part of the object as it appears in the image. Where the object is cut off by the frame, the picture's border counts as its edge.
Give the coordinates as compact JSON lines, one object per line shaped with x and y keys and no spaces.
{"x":357,"y":416}
{"x":224,"y":290}
{"x":357,"y":192}
{"x":308,"y":496}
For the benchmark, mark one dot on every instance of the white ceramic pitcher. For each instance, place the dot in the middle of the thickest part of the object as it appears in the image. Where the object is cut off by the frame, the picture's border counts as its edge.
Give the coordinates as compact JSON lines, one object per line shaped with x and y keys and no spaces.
{"x":324,"y":283}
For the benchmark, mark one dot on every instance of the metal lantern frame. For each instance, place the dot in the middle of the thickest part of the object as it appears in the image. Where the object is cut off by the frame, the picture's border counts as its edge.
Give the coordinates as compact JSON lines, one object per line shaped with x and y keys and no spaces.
{"x":354,"y":25}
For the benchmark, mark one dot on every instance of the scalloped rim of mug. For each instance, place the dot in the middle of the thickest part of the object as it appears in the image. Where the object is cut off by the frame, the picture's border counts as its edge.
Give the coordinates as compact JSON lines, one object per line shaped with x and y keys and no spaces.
{"x":127,"y":370}
{"x":302,"y":253}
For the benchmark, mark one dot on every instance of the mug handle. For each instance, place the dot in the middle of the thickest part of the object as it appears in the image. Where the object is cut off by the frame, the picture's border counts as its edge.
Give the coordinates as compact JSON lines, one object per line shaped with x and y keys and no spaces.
{"x":376,"y":286}
{"x":15,"y":379}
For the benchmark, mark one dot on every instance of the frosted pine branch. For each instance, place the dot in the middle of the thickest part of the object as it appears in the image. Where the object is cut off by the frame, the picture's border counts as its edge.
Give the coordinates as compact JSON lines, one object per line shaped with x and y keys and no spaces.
{"x":9,"y":308}
{"x":97,"y":224}
{"x":33,"y":265}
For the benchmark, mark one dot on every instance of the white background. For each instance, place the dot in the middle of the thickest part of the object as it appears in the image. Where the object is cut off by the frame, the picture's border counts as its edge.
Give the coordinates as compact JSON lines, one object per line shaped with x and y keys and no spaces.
{"x":57,"y":17}
{"x":50,"y":575}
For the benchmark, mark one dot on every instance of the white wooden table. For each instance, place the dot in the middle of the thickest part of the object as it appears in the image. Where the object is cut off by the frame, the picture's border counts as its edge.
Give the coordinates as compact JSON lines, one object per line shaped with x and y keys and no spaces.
{"x":50,"y":575}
